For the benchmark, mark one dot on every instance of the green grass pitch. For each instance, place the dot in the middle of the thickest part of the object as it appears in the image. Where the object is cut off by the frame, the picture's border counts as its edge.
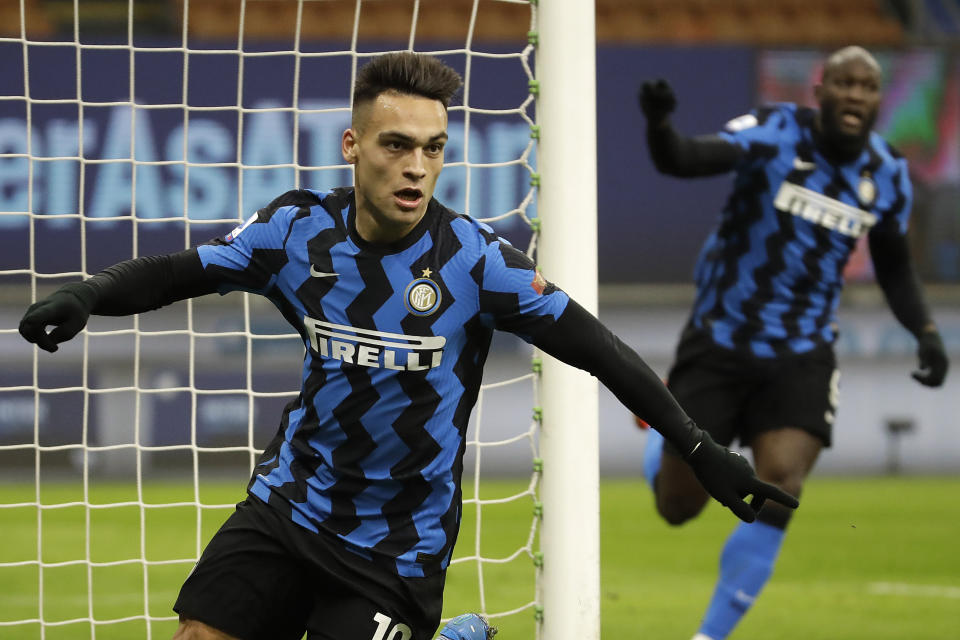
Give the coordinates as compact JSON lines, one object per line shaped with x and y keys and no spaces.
{"x":866,"y":559}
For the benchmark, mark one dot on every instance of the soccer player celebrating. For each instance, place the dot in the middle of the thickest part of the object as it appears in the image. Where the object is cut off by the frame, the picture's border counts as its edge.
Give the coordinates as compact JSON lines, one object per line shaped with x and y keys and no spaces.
{"x":756,"y":360}
{"x":354,"y":506}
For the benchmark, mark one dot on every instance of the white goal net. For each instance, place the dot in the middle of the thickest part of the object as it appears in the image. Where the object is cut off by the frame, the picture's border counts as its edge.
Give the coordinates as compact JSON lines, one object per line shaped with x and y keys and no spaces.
{"x":141,"y":127}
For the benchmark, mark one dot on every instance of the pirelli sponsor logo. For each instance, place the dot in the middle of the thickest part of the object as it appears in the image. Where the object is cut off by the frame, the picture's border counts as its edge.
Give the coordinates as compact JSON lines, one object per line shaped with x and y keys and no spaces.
{"x":822,"y":210}
{"x":369,"y":348}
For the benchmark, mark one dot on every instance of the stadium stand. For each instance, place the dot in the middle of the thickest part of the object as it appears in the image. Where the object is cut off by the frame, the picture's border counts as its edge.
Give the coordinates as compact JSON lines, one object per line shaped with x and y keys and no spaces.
{"x":759,"y":22}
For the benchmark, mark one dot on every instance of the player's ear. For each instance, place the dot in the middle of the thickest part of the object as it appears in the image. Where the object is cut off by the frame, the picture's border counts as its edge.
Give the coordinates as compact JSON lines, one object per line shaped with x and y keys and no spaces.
{"x":348,"y":146}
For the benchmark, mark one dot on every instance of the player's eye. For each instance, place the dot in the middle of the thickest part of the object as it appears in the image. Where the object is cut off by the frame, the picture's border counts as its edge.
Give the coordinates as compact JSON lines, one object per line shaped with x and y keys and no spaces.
{"x":434,"y":148}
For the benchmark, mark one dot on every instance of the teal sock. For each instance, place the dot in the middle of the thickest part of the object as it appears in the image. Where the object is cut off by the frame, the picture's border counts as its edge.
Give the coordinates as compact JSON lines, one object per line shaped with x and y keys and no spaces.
{"x":746,"y":564}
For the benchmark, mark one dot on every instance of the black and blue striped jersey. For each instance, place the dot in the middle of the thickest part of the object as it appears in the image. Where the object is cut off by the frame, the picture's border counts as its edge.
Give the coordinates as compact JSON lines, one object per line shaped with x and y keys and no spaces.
{"x":769,"y":277}
{"x":396,"y":338}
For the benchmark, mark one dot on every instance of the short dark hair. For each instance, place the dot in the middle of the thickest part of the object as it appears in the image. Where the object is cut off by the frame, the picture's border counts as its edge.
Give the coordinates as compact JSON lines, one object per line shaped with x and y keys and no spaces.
{"x":406,"y":72}
{"x":844,"y":55}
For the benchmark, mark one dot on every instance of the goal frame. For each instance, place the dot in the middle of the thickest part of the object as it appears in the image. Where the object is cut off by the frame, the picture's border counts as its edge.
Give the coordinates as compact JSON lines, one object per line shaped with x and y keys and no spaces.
{"x":567,"y":207}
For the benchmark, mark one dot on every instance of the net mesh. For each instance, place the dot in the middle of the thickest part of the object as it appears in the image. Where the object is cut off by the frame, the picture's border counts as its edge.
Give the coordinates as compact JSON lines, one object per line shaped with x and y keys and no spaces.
{"x":150,"y":127}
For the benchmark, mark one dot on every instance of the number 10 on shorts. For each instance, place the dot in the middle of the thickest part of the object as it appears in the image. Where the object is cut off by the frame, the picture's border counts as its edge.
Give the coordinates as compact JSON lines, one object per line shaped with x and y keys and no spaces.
{"x":399,"y":631}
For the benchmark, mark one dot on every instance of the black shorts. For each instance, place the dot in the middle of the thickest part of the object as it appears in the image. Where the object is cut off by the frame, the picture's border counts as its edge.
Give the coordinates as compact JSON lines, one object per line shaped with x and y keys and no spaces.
{"x":736,"y":396}
{"x":264,"y":577}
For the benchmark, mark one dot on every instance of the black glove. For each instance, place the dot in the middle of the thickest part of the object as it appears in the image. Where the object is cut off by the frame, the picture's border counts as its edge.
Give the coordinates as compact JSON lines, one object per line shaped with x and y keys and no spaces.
{"x":728,"y":477}
{"x":67,"y":309}
{"x":933,"y":360}
{"x":657,"y":100}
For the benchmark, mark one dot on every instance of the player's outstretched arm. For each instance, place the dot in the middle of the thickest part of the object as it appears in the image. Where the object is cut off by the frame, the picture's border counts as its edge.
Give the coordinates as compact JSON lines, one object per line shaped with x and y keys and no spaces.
{"x":678,"y":155}
{"x":133,"y":286}
{"x":897,"y":277}
{"x":579,"y":339}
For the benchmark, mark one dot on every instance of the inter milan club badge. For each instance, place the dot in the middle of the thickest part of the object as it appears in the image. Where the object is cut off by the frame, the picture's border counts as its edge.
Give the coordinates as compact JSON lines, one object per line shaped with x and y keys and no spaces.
{"x":866,"y":190}
{"x":422,"y":295}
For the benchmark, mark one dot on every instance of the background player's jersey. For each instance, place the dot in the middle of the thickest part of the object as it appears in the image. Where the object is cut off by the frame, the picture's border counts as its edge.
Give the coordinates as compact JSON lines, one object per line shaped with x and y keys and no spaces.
{"x":769,"y":277}
{"x":396,"y":338}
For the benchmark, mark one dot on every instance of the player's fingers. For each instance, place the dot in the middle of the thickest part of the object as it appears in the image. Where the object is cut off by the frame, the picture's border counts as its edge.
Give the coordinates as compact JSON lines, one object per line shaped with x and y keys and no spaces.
{"x":29,"y":329}
{"x":756,"y":503}
{"x":929,"y":376}
{"x":742,"y":510}
{"x":66,"y":331}
{"x":42,"y":340}
{"x":772,"y":492}
{"x":34,"y":330}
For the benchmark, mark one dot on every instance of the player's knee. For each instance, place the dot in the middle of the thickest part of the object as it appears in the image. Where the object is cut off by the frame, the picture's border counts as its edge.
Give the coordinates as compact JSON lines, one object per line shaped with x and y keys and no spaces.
{"x":775,"y":515}
{"x":677,"y":508}
{"x":790,"y":480}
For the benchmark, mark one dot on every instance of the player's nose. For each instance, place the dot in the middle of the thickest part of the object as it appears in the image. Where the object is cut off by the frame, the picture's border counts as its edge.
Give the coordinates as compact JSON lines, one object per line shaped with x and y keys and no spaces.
{"x":415,"y":167}
{"x":856,"y":92}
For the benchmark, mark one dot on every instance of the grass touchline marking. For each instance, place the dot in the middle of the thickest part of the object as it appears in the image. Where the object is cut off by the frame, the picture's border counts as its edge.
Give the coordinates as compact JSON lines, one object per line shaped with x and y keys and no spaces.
{"x":921,"y":590}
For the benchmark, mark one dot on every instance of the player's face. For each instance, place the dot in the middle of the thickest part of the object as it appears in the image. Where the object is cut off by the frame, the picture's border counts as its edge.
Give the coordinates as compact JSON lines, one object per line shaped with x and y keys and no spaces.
{"x":396,"y":146}
{"x":849,"y":100}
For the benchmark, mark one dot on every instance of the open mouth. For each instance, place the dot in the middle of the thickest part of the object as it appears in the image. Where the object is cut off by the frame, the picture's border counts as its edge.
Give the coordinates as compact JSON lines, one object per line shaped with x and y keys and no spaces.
{"x":408,"y":198}
{"x":851,"y":119}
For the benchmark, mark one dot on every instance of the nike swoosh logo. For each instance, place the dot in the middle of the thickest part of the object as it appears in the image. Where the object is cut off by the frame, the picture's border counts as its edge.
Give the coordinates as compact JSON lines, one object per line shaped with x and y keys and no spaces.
{"x":803,"y":165}
{"x":321,"y":274}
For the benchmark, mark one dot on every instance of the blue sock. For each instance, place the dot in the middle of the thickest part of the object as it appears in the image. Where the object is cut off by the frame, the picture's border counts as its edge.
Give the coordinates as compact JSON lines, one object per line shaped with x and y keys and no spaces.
{"x":745,"y":566}
{"x":651,"y":455}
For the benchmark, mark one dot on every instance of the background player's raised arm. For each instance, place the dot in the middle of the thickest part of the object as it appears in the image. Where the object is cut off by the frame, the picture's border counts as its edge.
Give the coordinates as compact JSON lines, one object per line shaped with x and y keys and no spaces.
{"x":675,"y":154}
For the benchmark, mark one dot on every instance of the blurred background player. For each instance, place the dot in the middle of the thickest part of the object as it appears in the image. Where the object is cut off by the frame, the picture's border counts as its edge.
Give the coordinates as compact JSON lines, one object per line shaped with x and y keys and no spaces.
{"x":756,"y":359}
{"x":354,"y":506}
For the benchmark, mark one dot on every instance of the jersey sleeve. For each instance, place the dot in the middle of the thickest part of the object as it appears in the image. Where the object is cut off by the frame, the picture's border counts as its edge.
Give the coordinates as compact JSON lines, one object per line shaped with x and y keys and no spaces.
{"x":514,"y":295}
{"x":903,"y":204}
{"x":249,"y":257}
{"x":894,"y":218}
{"x":755,"y":131}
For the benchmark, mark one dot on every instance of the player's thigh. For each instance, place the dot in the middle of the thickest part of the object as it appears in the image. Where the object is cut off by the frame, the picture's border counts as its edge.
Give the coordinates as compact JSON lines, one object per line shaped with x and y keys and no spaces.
{"x":800,"y":392}
{"x":391,"y":608}
{"x":712,"y":385}
{"x":246,"y":584}
{"x":785,"y":457}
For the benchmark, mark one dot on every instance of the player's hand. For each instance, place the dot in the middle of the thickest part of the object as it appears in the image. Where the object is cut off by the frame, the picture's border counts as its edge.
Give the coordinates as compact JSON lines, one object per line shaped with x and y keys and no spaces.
{"x":657,"y":100}
{"x":65,"y":310}
{"x":933,"y":360}
{"x":729,"y":478}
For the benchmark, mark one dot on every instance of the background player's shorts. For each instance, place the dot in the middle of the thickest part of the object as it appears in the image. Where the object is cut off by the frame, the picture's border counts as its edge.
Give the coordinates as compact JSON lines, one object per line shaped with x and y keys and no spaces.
{"x":733,"y":395}
{"x":262,"y":577}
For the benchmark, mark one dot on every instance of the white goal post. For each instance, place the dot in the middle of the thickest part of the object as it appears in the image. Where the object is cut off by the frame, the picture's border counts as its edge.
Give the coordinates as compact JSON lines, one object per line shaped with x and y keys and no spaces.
{"x":566,"y":113}
{"x":100,"y":162}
